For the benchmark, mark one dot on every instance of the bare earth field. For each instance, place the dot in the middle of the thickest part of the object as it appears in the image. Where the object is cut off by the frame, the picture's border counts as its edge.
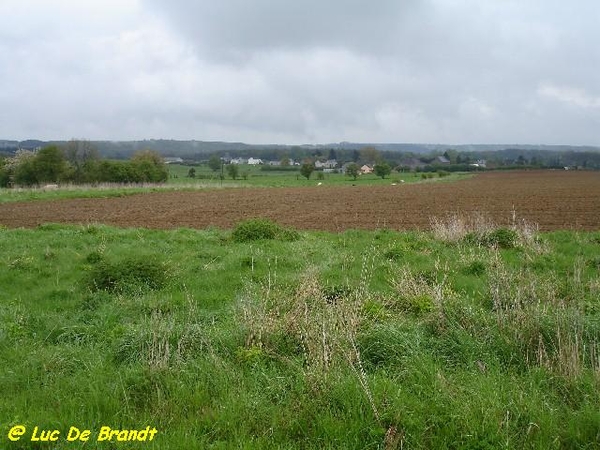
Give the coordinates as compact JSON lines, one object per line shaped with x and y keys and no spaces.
{"x":552,"y":199}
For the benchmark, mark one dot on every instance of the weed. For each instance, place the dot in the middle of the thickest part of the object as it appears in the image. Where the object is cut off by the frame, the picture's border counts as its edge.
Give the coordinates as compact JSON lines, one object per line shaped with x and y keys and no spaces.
{"x":374,"y":310}
{"x":94,"y":257}
{"x":324,"y":324}
{"x":476,"y":229}
{"x":334,"y":294}
{"x":394,"y":254}
{"x":252,"y":355}
{"x":501,"y":238}
{"x":419,"y":293}
{"x":548,"y":329}
{"x":23,"y":262}
{"x":49,"y":254}
{"x":594,"y":263}
{"x":476,"y":268}
{"x":456,"y":227}
{"x":160,"y":341}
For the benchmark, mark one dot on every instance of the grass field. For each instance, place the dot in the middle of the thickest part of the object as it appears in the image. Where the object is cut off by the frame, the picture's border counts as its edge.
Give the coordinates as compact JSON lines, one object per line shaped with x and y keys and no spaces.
{"x":467,"y":336}
{"x":207,"y":179}
{"x":250,"y":175}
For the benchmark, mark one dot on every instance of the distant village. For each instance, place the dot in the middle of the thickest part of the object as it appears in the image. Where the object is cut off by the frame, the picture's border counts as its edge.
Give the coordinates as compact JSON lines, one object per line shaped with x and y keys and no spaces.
{"x":335,"y":166}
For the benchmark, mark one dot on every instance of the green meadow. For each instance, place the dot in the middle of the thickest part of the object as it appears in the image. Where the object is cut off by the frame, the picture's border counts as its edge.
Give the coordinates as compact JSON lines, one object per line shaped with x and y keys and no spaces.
{"x":261,"y":176}
{"x":263,"y":337}
{"x":249,"y":176}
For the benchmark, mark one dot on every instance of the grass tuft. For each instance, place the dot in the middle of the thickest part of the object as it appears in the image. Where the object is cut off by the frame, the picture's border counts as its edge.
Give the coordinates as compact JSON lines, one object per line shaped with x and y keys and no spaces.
{"x":136,"y":273}
{"x":261,"y":229}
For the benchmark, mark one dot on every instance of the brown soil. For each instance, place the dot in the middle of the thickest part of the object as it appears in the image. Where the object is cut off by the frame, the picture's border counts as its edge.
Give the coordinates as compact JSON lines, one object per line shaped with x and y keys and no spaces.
{"x":552,"y":199}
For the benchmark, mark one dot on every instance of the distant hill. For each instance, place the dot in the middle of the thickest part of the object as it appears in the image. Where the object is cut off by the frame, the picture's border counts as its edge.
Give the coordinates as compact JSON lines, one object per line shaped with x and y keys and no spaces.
{"x":201,"y":149}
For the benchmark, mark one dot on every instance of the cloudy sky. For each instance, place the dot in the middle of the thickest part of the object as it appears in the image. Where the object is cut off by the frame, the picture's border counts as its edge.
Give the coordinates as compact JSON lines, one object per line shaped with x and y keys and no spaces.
{"x":302,"y":71}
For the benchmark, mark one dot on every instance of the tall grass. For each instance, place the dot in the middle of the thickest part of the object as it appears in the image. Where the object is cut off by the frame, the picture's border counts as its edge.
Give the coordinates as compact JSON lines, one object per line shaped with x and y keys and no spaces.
{"x":479,"y":228}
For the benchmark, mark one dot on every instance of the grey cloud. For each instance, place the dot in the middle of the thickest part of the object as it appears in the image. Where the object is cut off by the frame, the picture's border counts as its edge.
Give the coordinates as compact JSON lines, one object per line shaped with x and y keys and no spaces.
{"x":304,"y":71}
{"x":230,"y":29}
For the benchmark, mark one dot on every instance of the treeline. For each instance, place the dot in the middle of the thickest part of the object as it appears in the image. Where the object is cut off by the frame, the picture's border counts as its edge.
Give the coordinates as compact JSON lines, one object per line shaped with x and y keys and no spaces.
{"x":79,"y":163}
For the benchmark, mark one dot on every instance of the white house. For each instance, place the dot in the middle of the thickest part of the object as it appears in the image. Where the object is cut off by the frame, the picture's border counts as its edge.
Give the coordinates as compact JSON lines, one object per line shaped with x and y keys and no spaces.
{"x":366,"y":169}
{"x":479,"y":163}
{"x":254,"y":161}
{"x":329,"y":164}
{"x":172,"y":160}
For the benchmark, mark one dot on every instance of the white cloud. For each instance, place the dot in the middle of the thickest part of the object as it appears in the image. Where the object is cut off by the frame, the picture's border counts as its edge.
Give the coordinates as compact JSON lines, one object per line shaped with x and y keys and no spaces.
{"x":570,"y":96}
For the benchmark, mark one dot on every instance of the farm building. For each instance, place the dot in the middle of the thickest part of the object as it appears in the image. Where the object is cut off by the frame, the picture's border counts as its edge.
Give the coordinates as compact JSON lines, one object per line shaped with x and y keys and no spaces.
{"x":172,"y":160}
{"x":329,"y":164}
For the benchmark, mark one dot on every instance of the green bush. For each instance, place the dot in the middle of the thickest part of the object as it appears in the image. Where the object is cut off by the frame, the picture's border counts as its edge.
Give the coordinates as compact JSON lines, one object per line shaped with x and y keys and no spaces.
{"x":138,"y":272}
{"x":259,"y":229}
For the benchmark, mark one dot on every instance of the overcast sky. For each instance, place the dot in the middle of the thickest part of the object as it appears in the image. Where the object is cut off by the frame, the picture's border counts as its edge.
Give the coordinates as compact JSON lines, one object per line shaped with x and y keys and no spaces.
{"x":302,"y":71}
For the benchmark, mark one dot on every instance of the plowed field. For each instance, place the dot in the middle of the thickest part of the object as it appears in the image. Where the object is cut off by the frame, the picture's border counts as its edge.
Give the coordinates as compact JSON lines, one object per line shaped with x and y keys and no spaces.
{"x":552,"y":199}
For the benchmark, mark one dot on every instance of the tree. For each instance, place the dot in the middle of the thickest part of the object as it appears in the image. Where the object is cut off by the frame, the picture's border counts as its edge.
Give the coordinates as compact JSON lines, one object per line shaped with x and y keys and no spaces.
{"x":352,"y":170}
{"x":4,"y":174}
{"x":285,"y":162}
{"x":82,"y":157}
{"x":214,"y":163}
{"x":332,"y":154}
{"x":521,"y":160}
{"x":233,"y":171}
{"x":20,"y":168}
{"x":382,"y":169}
{"x":370,"y":154}
{"x":306,"y":170}
{"x":49,"y":164}
{"x":191,"y":173}
{"x":148,"y":166}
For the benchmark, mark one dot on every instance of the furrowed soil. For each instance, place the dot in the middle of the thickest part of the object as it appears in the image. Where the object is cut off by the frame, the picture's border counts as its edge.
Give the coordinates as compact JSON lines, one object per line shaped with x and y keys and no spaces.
{"x":552,"y":199}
